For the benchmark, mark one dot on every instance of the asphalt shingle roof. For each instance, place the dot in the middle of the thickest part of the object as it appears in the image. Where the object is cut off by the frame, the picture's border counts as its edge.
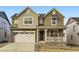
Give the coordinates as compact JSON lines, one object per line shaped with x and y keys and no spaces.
{"x":75,"y":18}
{"x":3,"y":15}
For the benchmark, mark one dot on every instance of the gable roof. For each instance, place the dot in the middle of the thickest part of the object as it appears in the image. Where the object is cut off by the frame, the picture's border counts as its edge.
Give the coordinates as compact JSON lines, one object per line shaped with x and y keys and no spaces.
{"x":41,"y":16}
{"x":4,"y":16}
{"x":14,"y":15}
{"x":74,"y":18}
{"x":17,"y":14}
{"x":56,"y":11}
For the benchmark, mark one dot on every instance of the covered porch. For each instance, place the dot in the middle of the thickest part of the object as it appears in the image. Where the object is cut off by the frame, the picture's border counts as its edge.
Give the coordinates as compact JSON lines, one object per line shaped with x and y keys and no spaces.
{"x":50,"y":35}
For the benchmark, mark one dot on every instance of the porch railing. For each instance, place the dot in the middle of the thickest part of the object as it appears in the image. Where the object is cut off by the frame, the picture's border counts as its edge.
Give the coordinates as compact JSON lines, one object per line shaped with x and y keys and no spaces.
{"x":55,"y":39}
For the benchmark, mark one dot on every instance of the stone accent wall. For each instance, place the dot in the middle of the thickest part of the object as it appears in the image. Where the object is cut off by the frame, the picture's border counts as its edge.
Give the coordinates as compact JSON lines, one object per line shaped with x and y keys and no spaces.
{"x":50,"y":45}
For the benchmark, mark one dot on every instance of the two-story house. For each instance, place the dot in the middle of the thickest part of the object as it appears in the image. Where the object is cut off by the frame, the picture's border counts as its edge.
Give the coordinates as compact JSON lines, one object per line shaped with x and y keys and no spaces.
{"x":72,"y":31}
{"x":29,"y":26}
{"x":4,"y":27}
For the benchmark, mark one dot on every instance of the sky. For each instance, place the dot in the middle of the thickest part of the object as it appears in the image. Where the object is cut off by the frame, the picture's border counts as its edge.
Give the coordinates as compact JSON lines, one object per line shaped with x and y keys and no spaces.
{"x":67,"y":11}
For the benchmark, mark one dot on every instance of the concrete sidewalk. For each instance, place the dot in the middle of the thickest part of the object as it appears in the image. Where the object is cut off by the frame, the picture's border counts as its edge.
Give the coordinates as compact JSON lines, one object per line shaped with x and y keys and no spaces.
{"x":18,"y":47}
{"x":3,"y":44}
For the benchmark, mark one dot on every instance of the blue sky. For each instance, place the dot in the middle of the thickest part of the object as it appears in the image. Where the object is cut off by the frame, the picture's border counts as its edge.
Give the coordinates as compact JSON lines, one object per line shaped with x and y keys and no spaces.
{"x":67,"y":11}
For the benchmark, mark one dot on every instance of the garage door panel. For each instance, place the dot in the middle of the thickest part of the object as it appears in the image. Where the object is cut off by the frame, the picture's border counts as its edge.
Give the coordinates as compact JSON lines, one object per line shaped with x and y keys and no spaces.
{"x":26,"y":37}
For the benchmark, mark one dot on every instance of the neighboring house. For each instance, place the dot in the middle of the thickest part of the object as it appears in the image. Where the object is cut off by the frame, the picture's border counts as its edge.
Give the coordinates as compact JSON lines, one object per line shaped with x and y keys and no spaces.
{"x":28,"y":26}
{"x":4,"y":27}
{"x":64,"y":31}
{"x":72,"y":31}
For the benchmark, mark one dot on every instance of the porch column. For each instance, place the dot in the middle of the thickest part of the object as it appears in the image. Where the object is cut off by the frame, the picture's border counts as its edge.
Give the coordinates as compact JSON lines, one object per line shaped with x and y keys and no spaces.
{"x":58,"y":35}
{"x":37,"y":35}
{"x":45,"y":35}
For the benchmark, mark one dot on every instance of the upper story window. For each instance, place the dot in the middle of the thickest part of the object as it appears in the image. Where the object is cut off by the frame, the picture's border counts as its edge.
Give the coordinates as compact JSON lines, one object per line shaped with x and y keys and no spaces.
{"x":28,"y":19}
{"x":54,"y":21}
{"x":15,"y":22}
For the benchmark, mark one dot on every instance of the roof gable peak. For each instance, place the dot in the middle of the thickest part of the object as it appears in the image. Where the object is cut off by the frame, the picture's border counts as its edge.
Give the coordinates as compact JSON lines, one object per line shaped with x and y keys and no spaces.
{"x":72,"y":18}
{"x":25,"y":10}
{"x":54,"y":9}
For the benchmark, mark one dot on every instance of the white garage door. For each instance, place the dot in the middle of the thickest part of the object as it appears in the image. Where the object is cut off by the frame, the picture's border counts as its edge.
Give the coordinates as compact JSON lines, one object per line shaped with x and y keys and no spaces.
{"x":25,"y":37}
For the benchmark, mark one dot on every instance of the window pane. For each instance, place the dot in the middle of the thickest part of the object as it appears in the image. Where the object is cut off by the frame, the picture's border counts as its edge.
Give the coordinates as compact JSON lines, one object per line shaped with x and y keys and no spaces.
{"x":54,"y":20}
{"x":28,"y":20}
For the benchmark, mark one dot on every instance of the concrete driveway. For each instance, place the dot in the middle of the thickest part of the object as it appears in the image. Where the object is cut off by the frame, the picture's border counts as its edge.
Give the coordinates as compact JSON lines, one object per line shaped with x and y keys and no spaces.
{"x":18,"y":47}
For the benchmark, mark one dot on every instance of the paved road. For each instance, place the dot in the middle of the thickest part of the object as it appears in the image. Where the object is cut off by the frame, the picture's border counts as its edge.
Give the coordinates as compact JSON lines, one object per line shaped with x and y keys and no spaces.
{"x":18,"y":47}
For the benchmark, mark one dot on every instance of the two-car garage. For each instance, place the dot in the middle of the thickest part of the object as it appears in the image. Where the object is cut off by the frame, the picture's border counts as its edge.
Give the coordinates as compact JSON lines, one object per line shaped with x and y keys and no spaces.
{"x":24,"y":36}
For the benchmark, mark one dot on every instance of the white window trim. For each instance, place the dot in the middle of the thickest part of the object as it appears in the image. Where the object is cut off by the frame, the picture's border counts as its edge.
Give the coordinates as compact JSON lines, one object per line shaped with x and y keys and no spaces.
{"x":24,"y":20}
{"x":51,"y":21}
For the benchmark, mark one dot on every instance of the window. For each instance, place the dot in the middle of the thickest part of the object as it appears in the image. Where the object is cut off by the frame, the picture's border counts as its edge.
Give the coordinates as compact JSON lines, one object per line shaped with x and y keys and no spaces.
{"x":15,"y":21}
{"x":54,"y":21}
{"x":28,"y":19}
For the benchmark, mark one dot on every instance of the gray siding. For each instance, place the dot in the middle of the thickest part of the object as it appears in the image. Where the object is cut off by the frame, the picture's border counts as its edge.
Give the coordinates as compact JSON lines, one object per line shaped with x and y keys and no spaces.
{"x":4,"y":27}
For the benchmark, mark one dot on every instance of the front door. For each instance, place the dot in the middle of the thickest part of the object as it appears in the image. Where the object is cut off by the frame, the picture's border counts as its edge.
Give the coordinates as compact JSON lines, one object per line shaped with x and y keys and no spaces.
{"x":41,"y":35}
